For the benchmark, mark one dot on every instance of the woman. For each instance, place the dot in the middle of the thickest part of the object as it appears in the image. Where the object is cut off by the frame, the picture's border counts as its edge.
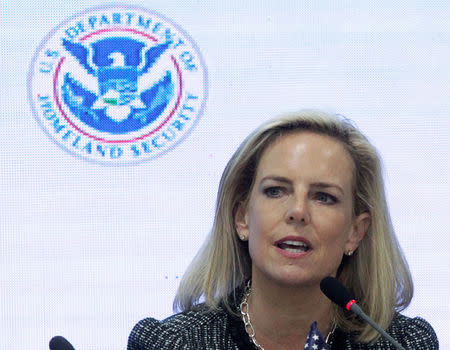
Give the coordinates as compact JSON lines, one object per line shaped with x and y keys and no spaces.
{"x":301,"y":199}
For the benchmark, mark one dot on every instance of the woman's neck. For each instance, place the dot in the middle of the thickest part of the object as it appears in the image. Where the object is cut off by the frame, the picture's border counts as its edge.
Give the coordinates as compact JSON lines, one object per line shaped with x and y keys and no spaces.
{"x":282,"y":314}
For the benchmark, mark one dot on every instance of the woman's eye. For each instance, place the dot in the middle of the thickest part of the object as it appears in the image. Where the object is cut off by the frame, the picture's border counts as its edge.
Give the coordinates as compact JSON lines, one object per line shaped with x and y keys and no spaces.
{"x":273,"y":192}
{"x":326,"y":198}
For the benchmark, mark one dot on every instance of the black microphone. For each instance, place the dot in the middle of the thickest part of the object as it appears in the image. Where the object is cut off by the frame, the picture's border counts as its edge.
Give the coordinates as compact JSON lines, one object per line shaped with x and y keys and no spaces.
{"x":338,"y":294}
{"x":60,"y":343}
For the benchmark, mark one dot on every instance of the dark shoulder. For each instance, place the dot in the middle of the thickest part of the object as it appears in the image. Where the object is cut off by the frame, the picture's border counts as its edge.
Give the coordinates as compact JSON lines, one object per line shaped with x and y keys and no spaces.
{"x":187,"y":330}
{"x":413,"y":333}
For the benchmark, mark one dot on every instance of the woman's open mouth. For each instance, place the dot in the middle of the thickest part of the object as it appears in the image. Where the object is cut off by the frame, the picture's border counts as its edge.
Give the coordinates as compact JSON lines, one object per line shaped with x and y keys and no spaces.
{"x":293,"y":246}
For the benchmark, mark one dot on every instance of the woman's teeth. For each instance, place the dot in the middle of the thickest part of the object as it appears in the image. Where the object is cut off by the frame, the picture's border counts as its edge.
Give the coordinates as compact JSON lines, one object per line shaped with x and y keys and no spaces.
{"x":293,"y":246}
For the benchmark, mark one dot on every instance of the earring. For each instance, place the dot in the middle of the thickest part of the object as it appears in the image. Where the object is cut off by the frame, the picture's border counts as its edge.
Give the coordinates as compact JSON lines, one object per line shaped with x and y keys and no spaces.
{"x":349,"y":252}
{"x":242,"y":237}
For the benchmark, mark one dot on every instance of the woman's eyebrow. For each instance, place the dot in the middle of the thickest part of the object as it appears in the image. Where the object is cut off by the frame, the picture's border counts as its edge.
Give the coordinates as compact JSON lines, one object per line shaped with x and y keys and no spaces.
{"x":325,"y":185}
{"x":319,"y":185}
{"x":276,"y":178}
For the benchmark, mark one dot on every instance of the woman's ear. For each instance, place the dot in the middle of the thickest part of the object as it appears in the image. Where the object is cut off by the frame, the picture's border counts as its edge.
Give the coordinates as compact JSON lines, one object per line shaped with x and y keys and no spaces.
{"x":241,"y":222}
{"x":359,"y":229}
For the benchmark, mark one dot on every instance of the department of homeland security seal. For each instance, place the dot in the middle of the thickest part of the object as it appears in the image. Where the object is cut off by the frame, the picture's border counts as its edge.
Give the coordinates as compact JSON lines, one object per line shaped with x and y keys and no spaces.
{"x":117,"y":84}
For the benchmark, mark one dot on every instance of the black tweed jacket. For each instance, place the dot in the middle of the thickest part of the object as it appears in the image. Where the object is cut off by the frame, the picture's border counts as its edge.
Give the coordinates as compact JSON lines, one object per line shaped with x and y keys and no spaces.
{"x":219,"y":330}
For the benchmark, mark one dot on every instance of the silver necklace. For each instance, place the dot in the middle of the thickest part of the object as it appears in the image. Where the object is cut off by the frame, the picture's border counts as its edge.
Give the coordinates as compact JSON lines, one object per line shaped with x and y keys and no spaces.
{"x":248,"y":323}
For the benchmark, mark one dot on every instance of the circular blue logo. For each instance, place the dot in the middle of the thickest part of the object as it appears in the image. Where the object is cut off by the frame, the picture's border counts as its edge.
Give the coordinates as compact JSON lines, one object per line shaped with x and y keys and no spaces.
{"x":117,"y":85}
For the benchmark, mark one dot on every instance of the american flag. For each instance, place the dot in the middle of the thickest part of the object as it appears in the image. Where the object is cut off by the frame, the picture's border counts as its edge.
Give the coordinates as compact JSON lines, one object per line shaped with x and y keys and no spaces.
{"x":315,"y":340}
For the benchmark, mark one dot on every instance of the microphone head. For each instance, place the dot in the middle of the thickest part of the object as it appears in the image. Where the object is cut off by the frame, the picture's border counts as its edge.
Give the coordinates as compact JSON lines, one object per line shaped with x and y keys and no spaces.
{"x":335,"y":291}
{"x":60,"y":343}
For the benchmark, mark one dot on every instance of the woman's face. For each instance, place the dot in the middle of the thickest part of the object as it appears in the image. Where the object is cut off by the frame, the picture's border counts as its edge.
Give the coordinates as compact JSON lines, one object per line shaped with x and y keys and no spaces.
{"x":298,"y":220}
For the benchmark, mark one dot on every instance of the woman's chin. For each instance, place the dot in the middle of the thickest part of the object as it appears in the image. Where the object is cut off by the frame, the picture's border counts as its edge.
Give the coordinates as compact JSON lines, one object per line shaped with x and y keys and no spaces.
{"x":295,"y":279}
{"x":298,"y":279}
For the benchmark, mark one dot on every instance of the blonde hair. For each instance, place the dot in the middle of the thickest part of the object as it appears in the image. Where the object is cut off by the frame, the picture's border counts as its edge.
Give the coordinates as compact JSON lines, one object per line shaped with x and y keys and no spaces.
{"x":377,"y":274}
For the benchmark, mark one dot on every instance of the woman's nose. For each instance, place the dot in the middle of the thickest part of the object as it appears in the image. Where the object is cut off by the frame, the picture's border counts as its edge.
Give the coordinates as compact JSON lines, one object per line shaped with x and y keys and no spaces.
{"x":298,"y":211}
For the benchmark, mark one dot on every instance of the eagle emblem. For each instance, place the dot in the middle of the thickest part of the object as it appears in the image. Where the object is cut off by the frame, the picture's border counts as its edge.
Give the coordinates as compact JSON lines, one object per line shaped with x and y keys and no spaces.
{"x":120,"y":67}
{"x":117,"y":84}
